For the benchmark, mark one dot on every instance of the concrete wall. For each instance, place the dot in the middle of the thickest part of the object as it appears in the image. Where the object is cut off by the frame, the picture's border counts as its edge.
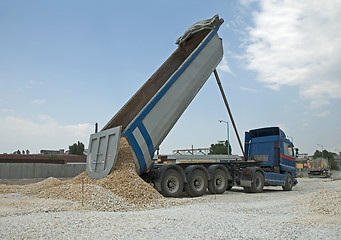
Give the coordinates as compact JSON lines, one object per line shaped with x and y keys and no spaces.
{"x":40,"y":170}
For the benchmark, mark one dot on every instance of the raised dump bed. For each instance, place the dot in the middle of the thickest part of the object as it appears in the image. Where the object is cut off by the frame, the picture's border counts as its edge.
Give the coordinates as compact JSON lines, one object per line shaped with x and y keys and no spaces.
{"x":149,"y":115}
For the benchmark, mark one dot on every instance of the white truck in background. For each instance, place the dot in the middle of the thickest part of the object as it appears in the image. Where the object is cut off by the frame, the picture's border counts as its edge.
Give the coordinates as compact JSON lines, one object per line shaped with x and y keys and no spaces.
{"x":318,"y":167}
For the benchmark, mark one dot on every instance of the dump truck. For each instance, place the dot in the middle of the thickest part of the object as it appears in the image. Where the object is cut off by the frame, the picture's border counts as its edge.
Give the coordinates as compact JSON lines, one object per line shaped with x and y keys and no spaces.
{"x":146,"y":119}
{"x":318,"y":167}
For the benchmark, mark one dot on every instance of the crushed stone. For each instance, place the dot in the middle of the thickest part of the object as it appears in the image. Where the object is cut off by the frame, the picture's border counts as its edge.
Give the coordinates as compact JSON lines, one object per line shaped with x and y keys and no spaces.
{"x":121,"y":190}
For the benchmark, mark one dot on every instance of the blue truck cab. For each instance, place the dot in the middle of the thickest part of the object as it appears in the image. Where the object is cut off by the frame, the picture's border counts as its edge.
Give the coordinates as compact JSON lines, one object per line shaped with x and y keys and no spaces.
{"x":275,"y":154}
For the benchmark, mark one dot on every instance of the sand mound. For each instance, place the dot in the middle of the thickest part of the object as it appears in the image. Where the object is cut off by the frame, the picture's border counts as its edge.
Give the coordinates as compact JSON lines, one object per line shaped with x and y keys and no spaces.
{"x":122,"y":189}
{"x":123,"y":181}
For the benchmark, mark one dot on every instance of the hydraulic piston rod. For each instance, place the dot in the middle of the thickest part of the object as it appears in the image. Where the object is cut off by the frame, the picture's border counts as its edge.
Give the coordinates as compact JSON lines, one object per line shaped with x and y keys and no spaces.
{"x":228,"y":109}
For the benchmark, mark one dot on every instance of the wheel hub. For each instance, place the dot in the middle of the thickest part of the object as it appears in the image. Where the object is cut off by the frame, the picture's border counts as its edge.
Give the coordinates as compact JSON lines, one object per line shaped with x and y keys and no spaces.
{"x":172,"y":184}
{"x":218,"y":182}
{"x":198,"y":183}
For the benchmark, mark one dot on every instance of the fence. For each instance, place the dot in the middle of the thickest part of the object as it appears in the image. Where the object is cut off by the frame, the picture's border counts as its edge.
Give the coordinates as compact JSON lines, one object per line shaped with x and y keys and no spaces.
{"x":40,"y":170}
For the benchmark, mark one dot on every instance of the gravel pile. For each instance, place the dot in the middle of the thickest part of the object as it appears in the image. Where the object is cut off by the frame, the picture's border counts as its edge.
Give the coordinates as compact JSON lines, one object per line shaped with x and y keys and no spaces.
{"x":121,"y":190}
{"x":124,"y":181}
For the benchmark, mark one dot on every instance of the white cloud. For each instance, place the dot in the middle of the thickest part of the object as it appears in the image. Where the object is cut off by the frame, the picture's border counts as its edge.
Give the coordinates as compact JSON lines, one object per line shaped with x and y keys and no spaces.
{"x":323,"y":114}
{"x":321,"y":92}
{"x":224,"y":66}
{"x":46,"y":133}
{"x":6,"y":110}
{"x":31,"y":84}
{"x":298,"y":43}
{"x":248,"y":89}
{"x":38,"y":101}
{"x":247,"y":2}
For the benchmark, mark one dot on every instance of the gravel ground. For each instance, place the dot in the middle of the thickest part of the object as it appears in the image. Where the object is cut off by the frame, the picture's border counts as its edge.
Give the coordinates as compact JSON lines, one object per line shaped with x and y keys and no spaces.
{"x":311,"y":211}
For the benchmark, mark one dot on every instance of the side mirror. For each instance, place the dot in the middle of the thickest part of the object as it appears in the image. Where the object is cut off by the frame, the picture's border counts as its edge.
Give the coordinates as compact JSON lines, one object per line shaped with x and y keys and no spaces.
{"x":296,"y":152}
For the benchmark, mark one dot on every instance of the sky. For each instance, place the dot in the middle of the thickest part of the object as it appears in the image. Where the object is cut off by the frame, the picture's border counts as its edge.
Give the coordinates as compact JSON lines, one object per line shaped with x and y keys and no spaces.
{"x":65,"y":65}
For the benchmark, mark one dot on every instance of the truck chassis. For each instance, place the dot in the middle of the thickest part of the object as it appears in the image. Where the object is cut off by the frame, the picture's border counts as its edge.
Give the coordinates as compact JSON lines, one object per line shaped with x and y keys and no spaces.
{"x":171,"y":179}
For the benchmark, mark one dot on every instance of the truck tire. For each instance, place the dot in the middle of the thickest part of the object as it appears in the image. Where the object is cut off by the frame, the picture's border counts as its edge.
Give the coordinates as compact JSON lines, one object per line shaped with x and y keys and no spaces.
{"x":197,"y":183}
{"x":172,"y":184}
{"x":289,"y":182}
{"x":218,"y":183}
{"x":257,"y":183}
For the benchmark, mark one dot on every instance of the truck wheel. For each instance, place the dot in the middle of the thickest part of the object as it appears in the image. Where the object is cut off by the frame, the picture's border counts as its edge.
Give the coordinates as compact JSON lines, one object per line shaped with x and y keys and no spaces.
{"x":197,"y":183}
{"x":218,"y":183}
{"x":172,"y":184}
{"x":288,"y":182}
{"x":257,"y":183}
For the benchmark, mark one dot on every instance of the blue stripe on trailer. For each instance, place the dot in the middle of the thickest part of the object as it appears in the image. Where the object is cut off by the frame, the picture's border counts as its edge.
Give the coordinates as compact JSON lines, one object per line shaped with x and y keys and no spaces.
{"x":172,"y":80}
{"x":147,"y":139}
{"x":138,"y":152}
{"x":146,"y":110}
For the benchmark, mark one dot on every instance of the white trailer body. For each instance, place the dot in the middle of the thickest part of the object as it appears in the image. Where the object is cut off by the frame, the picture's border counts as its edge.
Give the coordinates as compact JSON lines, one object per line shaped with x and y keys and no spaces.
{"x":163,"y":102}
{"x":154,"y":122}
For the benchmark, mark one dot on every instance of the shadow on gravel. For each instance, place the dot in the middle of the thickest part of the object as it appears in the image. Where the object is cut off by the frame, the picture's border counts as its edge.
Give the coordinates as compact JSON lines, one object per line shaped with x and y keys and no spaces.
{"x":264,"y":190}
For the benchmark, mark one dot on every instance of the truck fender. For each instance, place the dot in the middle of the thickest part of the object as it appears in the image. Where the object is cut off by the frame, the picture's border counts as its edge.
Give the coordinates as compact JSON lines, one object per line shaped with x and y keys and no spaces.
{"x":293,"y":177}
{"x":247,"y":175}
{"x":188,"y":170}
{"x":211,"y":169}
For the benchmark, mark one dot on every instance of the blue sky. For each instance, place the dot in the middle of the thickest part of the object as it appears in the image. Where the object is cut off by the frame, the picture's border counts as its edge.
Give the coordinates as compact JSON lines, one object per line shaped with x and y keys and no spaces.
{"x":65,"y":65}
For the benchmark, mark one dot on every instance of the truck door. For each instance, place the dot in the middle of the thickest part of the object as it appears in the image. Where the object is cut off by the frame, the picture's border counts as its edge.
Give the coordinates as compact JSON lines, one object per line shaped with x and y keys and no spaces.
{"x":277,"y":157}
{"x":287,"y":159}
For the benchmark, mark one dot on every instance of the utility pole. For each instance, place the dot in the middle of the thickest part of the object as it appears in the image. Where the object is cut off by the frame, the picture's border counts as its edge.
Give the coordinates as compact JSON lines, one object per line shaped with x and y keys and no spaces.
{"x":228,"y":139}
{"x":322,"y":149}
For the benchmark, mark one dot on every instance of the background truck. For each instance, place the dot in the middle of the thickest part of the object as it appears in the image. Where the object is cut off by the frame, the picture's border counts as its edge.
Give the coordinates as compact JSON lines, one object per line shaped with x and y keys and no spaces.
{"x":318,"y":167}
{"x":146,"y":119}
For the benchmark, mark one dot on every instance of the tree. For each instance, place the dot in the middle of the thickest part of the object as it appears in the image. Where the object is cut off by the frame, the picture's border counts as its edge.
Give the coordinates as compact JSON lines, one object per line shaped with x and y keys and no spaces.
{"x":220,"y":148}
{"x":77,"y":148}
{"x":329,"y":156}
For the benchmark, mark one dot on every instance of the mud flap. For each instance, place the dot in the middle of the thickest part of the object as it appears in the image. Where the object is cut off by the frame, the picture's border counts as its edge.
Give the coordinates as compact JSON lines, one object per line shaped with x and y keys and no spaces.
{"x":103,"y":150}
{"x":246,"y":176}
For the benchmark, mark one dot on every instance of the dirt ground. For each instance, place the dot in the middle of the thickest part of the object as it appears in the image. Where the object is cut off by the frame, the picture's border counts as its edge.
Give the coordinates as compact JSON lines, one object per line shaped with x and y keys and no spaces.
{"x":24,"y":196}
{"x":311,"y":210}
